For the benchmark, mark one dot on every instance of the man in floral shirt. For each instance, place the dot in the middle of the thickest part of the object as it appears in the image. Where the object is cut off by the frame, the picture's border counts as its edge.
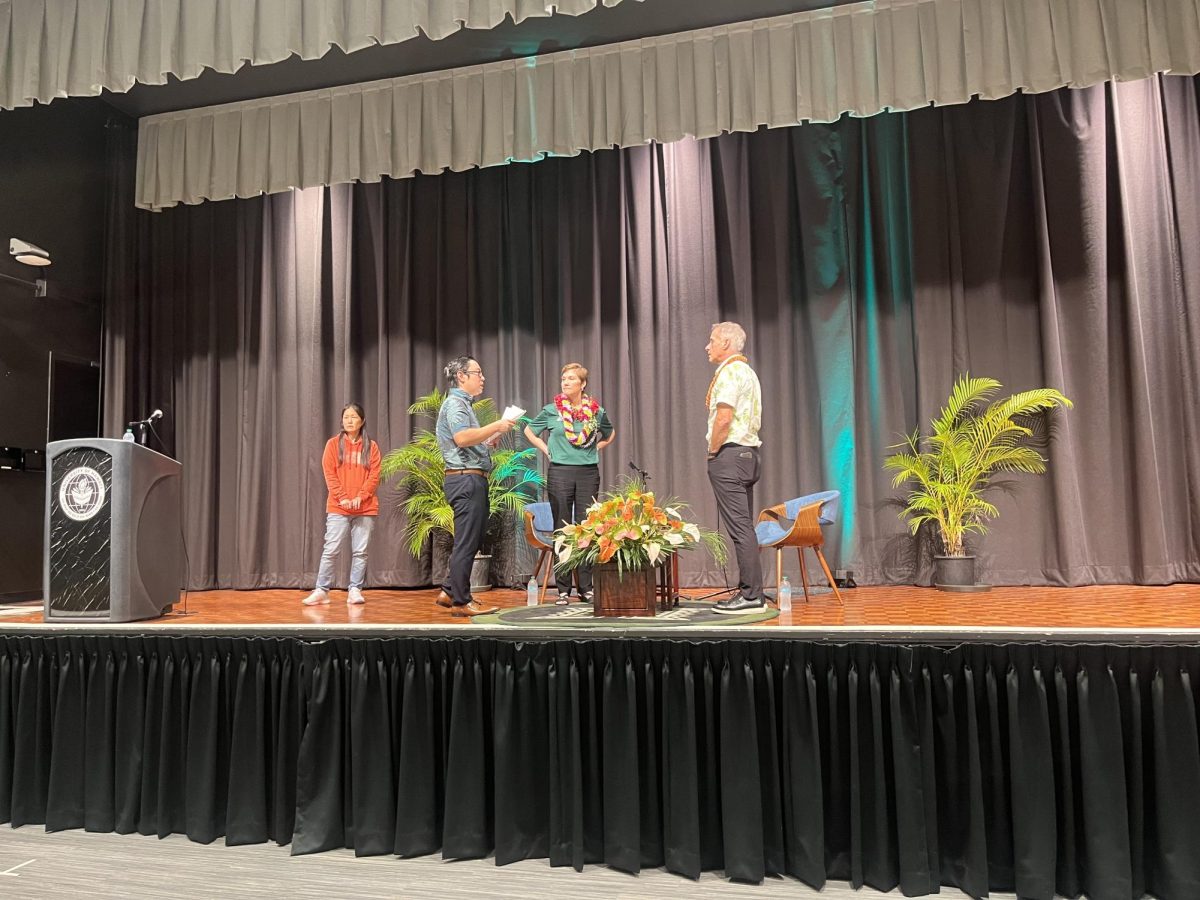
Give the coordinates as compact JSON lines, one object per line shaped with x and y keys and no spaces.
{"x":734,"y":404}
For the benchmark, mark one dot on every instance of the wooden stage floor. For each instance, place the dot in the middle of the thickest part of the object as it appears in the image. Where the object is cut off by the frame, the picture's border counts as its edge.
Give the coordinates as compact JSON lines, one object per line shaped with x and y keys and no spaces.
{"x":1120,"y":613}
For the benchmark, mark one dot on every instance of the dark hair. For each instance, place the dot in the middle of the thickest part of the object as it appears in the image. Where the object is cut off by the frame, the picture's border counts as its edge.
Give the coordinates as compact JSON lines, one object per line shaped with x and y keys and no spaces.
{"x":456,"y":367}
{"x":366,"y":441}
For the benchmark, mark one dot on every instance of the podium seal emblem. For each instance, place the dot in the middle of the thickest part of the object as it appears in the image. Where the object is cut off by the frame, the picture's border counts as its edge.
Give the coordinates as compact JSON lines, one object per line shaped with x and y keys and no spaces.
{"x":81,"y":493}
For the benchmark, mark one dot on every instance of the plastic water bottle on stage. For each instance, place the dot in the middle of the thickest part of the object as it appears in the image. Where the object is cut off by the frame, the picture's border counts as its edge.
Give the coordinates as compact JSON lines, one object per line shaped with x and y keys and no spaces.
{"x":785,"y":595}
{"x":128,"y":435}
{"x":531,"y":592}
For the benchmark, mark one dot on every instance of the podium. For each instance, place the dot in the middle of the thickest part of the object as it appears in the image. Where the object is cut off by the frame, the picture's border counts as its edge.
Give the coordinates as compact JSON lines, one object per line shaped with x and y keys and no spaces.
{"x":113,"y":539}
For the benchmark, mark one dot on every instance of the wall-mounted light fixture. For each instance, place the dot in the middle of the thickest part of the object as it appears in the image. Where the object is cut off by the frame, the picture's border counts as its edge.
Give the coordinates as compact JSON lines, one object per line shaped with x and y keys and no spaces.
{"x":30,"y":255}
{"x":27,"y":253}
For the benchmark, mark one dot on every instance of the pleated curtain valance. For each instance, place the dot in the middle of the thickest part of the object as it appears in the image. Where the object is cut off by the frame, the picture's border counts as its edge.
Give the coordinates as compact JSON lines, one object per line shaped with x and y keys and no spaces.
{"x":75,"y":48}
{"x":810,"y":66}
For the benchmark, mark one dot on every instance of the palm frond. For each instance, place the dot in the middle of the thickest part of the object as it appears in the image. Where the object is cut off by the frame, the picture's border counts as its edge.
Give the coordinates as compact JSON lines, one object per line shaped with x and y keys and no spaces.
{"x":965,"y":394}
{"x":429,"y":405}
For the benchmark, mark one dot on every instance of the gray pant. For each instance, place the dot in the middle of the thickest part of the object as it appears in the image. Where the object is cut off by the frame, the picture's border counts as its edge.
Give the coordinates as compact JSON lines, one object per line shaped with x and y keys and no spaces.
{"x":733,"y":472}
{"x":336,"y":526}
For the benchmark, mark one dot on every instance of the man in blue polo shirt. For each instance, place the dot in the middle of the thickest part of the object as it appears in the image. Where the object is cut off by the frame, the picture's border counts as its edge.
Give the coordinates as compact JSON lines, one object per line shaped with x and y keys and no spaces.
{"x":466,"y":448}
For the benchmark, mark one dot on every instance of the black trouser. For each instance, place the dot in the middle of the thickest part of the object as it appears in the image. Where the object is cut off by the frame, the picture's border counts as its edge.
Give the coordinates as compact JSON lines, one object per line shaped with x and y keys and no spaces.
{"x":572,"y":490}
{"x":468,"y":497}
{"x":733,"y":472}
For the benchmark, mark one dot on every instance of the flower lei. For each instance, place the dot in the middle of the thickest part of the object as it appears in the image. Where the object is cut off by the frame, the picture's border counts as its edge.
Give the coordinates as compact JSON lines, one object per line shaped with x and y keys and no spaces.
{"x":586,"y":414}
{"x":737,"y":357}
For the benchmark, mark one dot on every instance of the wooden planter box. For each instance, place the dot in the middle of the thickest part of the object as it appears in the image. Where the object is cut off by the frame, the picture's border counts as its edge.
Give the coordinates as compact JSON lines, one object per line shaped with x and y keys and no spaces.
{"x":628,"y":594}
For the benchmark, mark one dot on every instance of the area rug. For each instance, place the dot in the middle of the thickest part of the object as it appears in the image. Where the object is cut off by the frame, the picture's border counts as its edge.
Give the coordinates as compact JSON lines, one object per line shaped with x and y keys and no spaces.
{"x":579,"y":615}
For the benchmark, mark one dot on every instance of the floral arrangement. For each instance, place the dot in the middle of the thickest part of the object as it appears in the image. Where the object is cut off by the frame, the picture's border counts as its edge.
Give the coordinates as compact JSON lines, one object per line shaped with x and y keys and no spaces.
{"x":628,"y":526}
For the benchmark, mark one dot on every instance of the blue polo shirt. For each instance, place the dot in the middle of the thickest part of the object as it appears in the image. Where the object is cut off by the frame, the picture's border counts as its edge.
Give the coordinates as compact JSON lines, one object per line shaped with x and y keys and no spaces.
{"x":455,"y":415}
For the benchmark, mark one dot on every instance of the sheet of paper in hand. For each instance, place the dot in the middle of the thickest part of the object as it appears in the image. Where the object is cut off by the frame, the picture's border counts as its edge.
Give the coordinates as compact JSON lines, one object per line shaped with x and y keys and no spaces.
{"x":512,"y":413}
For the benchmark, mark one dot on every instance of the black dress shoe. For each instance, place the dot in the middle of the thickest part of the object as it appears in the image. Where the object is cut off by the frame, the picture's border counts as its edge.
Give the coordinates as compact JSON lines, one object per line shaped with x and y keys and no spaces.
{"x":738,"y":604}
{"x":471,"y":609}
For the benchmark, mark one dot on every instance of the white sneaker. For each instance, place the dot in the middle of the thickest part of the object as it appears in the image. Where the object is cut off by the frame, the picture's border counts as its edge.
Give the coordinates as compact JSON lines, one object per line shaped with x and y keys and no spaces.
{"x":355,"y":597}
{"x":316,"y":598}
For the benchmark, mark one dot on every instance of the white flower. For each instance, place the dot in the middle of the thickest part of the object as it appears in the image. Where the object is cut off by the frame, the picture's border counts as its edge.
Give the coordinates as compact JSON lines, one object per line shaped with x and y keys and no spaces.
{"x":691,"y":528}
{"x":674,"y":539}
{"x":559,"y":540}
{"x":652,"y":551}
{"x":671,"y":512}
{"x":563,"y":555}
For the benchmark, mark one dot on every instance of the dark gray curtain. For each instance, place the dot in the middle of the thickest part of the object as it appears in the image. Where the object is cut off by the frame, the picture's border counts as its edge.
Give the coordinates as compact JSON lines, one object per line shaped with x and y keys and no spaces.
{"x":1042,"y":240}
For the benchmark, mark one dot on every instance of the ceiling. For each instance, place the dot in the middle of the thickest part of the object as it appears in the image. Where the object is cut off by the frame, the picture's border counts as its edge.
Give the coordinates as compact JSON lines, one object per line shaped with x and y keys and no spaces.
{"x":626,"y":21}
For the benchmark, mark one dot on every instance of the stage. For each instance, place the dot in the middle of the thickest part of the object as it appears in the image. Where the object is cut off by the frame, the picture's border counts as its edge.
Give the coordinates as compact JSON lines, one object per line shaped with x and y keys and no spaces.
{"x":1123,"y":614}
{"x":1036,"y":740}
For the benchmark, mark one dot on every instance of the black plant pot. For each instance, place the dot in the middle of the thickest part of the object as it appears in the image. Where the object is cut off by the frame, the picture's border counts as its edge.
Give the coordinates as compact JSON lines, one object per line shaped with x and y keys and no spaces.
{"x":956,"y":573}
{"x":439,"y":566}
{"x":481,"y":573}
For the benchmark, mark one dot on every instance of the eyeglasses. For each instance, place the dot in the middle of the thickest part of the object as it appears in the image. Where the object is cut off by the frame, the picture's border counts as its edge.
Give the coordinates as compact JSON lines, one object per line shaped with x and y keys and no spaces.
{"x":472,"y":371}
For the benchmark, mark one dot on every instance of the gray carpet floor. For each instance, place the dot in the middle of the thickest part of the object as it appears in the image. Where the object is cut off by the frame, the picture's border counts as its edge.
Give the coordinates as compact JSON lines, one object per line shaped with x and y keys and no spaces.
{"x":34,"y":864}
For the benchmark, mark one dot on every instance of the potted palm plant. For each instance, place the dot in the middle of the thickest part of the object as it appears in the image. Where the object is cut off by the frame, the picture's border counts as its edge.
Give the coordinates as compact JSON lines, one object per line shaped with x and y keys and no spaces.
{"x":419,"y":471}
{"x":971,"y":440}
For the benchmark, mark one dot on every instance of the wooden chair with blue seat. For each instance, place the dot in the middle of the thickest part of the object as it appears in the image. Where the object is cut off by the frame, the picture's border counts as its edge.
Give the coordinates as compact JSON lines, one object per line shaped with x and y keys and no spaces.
{"x":797,"y":523}
{"x":539,"y":533}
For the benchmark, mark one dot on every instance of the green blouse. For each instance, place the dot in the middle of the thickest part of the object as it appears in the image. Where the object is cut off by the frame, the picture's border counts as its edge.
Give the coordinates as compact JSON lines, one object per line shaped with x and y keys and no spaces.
{"x":562,"y":451}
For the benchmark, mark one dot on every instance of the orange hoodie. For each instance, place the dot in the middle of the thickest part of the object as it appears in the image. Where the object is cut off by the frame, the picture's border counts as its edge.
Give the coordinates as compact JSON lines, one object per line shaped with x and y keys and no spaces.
{"x":351,"y":478}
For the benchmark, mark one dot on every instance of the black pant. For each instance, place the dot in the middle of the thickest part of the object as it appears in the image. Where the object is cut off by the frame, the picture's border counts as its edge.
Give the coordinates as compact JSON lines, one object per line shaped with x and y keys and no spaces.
{"x":572,"y":490}
{"x":468,"y":497}
{"x":733,"y":472}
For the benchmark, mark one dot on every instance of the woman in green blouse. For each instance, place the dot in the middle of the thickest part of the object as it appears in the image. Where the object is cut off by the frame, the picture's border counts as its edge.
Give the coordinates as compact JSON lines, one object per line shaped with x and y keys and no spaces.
{"x":579,"y":429}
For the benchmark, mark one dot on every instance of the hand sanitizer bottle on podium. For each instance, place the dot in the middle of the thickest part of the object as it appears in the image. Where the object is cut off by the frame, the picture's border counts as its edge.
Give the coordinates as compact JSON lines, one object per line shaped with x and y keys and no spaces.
{"x":785,"y":595}
{"x":531,"y":592}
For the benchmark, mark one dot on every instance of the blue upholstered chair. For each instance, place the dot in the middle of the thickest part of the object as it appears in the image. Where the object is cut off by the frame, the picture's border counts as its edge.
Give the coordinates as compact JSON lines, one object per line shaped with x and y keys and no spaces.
{"x":539,"y":533}
{"x":797,"y":523}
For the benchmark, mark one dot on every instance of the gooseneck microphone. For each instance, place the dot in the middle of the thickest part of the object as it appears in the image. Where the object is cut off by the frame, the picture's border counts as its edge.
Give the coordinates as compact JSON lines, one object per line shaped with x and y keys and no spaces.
{"x":144,"y":425}
{"x":157,"y":414}
{"x":641,"y":473}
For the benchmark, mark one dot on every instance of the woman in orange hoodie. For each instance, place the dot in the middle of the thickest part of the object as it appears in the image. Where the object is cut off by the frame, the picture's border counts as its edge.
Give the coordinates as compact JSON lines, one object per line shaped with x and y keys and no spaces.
{"x":351,"y":466}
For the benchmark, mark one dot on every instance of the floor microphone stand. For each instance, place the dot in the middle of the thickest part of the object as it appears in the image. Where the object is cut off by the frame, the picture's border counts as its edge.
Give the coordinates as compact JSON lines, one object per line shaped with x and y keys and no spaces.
{"x":644,"y":476}
{"x":727,"y":590}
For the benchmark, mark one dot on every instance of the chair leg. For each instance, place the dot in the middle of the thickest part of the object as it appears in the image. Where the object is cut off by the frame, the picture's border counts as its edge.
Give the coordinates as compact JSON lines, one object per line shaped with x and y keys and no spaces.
{"x":828,"y":575}
{"x":544,"y":557}
{"x":803,"y":572}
